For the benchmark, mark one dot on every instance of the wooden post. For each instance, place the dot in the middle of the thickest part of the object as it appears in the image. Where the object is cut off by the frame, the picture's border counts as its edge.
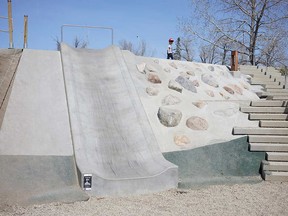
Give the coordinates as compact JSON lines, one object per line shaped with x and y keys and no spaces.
{"x":25,"y":31}
{"x":10,"y":23}
{"x":234,"y":61}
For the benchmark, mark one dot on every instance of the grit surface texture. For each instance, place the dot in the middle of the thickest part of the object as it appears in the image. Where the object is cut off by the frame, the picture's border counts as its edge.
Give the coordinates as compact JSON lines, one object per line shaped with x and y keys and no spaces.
{"x":246,"y":199}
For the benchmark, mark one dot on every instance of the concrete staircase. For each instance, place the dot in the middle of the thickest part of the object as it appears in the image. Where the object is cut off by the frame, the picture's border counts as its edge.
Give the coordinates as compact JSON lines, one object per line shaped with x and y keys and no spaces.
{"x":272,"y":113}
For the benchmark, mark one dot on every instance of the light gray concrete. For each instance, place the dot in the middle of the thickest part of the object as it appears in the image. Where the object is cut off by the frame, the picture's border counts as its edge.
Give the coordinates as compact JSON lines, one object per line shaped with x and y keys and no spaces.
{"x":265,"y":116}
{"x":275,"y":165}
{"x":268,"y":139}
{"x":37,"y":110}
{"x":276,"y":124}
{"x":9,"y":59}
{"x":264,"y":109}
{"x":268,"y":103}
{"x":277,"y":156}
{"x":112,"y":137}
{"x":276,"y":147}
{"x":275,"y":176}
{"x":36,"y":153}
{"x":258,"y":131}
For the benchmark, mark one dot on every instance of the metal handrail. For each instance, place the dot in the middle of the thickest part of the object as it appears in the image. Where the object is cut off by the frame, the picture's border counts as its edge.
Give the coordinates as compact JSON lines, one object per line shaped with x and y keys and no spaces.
{"x":82,"y":26}
{"x":2,"y":17}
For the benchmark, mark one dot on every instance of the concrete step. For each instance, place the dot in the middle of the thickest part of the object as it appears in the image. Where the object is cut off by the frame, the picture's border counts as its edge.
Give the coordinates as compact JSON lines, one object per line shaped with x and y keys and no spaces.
{"x":264,"y":109}
{"x":252,"y":73}
{"x":276,"y":97}
{"x":275,"y":176}
{"x":274,"y":94}
{"x":269,"y":103}
{"x":274,"y":166}
{"x":278,"y":91}
{"x":258,"y":116}
{"x":268,"y":147}
{"x":260,"y":131}
{"x":274,"y":86}
{"x":267,"y":139}
{"x":262,"y":80}
{"x":275,"y":124}
{"x":277,"y":156}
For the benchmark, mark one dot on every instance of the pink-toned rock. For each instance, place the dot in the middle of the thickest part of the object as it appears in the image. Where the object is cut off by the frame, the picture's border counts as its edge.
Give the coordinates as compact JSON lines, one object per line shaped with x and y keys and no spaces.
{"x":197,"y":123}
{"x":228,"y":89}
{"x":195,"y":83}
{"x":237,"y":89}
{"x":199,"y":104}
{"x":210,"y":93}
{"x":181,"y":140}
{"x":153,"y":78}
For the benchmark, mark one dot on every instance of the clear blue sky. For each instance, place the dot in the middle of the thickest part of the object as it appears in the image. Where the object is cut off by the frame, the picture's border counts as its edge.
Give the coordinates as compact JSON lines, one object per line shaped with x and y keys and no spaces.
{"x":154,"y":21}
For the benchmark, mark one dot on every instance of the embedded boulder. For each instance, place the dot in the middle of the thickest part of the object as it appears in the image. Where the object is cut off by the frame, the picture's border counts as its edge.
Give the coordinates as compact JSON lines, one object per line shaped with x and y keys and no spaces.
{"x":172,"y":64}
{"x":181,"y":140}
{"x":149,"y":68}
{"x":171,"y":100}
{"x":175,"y":86}
{"x":211,"y":68}
{"x":153,"y":78}
{"x":191,"y":73}
{"x":210,"y":80}
{"x":197,"y":123}
{"x":187,"y":84}
{"x":152,"y":91}
{"x":141,"y":67}
{"x":210,"y":93}
{"x":169,"y":117}
{"x":228,"y":89}
{"x":200,"y":104}
{"x":237,"y":89}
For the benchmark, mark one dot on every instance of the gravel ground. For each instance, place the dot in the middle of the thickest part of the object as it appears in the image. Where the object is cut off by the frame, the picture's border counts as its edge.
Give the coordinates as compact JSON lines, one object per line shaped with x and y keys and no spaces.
{"x":264,"y":198}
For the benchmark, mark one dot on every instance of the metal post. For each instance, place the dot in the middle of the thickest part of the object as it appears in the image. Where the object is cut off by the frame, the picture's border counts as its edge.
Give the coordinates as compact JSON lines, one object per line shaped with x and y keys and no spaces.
{"x":10,"y":23}
{"x":286,"y":79}
{"x":25,"y":30}
{"x":234,"y":61}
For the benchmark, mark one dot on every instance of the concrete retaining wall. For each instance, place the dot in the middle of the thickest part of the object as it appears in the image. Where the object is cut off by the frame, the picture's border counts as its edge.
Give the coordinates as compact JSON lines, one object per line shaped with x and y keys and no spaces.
{"x":228,"y":162}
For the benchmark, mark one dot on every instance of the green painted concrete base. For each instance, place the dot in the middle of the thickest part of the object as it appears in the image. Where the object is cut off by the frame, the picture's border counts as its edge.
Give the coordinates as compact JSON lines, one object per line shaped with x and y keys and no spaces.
{"x":223,"y":163}
{"x":39,"y":179}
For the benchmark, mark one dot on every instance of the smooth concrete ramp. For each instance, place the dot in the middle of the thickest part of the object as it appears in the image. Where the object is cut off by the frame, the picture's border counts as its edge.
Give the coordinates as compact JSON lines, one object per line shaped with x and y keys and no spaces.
{"x":36,"y":153}
{"x":9,"y":59}
{"x":112,"y":137}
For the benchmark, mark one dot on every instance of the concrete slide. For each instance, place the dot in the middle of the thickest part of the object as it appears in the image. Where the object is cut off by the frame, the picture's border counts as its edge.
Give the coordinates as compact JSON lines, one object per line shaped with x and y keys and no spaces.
{"x":113,"y":140}
{"x":36,"y":152}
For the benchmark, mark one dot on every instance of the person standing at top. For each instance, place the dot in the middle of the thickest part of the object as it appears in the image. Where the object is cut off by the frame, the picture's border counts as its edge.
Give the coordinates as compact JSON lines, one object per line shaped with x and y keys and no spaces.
{"x":169,"y":50}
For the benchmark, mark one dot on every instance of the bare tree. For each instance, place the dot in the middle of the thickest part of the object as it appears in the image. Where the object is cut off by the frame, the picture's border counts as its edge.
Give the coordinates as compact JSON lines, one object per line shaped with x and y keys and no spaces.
{"x":243,"y":23}
{"x":77,"y":43}
{"x":186,"y":49}
{"x":140,"y":50}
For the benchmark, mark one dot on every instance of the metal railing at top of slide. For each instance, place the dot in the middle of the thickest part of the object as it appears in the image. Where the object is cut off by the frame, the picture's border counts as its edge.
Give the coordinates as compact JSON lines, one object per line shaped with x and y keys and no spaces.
{"x":2,"y":17}
{"x":83,"y":26}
